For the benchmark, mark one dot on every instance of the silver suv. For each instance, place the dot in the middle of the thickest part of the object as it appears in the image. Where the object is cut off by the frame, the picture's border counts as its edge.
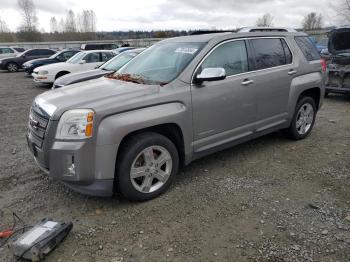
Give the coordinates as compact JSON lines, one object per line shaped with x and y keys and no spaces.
{"x":177,"y":101}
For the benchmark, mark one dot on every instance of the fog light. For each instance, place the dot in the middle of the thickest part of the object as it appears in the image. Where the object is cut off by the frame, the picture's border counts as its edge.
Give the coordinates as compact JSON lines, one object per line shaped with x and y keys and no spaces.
{"x":71,"y":170}
{"x":70,"y":166}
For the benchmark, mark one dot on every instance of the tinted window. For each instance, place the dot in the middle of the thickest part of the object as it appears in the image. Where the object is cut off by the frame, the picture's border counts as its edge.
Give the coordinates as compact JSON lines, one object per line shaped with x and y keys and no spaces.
{"x":106,"y":56}
{"x":92,"y":58}
{"x":268,"y":53}
{"x":46,"y":52}
{"x":34,"y":52}
{"x":287,"y":52}
{"x":19,"y":49}
{"x":231,"y":56}
{"x":308,"y":48}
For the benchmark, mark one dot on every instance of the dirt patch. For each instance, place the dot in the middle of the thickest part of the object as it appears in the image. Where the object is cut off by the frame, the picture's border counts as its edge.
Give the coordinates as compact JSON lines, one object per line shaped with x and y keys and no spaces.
{"x":271,"y":199}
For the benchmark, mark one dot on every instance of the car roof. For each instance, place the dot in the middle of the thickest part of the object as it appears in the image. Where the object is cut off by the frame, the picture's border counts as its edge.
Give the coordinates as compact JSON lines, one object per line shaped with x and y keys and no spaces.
{"x":135,"y":50}
{"x":229,"y":35}
{"x":266,"y":29}
{"x":95,"y":51}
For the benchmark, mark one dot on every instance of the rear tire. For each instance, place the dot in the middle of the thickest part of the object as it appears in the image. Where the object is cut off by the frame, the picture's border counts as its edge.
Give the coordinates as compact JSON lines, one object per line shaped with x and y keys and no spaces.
{"x":12,"y":67}
{"x":304,"y":119}
{"x":146,"y":166}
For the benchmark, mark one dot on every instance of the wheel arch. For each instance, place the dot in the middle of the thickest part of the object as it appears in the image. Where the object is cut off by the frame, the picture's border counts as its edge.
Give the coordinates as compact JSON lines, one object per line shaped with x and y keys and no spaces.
{"x":172,"y":120}
{"x":61,"y":73}
{"x":172,"y":131}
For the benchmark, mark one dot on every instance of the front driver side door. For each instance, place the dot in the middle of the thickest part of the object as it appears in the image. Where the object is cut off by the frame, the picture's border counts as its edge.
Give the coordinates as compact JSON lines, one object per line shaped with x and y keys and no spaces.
{"x":92,"y":60}
{"x":225,"y":110}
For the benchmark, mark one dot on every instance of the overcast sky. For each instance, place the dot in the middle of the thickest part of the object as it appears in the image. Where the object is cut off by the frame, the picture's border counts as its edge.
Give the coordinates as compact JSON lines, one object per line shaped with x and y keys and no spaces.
{"x":174,"y":14}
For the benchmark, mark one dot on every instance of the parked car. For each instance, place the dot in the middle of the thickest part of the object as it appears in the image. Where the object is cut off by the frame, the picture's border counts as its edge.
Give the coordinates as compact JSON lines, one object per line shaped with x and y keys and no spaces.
{"x":338,"y":80}
{"x":99,"y":46}
{"x":61,"y":56}
{"x":10,"y":51}
{"x":82,"y":61}
{"x":179,"y":100}
{"x":110,"y":66}
{"x":322,"y":44}
{"x":13,"y":64}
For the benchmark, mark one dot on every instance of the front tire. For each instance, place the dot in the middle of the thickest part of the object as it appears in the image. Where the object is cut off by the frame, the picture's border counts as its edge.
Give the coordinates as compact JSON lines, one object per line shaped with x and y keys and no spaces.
{"x":12,"y":67}
{"x":304,"y":118}
{"x":146,"y":166}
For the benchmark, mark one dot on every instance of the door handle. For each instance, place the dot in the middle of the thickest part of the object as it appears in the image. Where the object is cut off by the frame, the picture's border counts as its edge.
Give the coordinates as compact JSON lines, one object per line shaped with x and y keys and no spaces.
{"x":292,"y":72}
{"x":247,"y":82}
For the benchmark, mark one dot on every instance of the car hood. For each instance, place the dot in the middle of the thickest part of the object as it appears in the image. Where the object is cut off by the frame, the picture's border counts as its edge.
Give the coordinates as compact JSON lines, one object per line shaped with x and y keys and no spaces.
{"x":339,"y":41}
{"x":80,"y":77}
{"x":41,"y":60}
{"x":61,"y":65}
{"x":98,"y":94}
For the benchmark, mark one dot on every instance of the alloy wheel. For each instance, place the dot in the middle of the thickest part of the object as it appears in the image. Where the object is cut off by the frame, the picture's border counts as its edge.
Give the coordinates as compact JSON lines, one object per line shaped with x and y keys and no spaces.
{"x":151,"y":169}
{"x":305,"y":118}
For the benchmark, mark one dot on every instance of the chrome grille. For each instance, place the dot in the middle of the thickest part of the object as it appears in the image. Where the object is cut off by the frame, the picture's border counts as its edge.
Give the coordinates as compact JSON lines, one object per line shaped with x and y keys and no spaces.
{"x":37,"y":125}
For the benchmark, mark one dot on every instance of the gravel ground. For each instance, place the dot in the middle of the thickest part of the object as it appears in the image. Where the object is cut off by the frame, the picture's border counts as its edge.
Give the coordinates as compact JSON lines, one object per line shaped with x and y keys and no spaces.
{"x":271,"y":199}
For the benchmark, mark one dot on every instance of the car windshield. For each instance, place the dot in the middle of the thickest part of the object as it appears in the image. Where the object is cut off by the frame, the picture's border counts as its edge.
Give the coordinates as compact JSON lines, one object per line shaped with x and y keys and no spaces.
{"x":117,"y":62}
{"x":76,"y":58}
{"x":159,"y":64}
{"x":54,"y":55}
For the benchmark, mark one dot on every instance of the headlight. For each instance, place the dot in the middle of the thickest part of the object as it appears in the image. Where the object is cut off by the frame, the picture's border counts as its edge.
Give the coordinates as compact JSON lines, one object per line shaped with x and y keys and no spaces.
{"x":43,"y":72}
{"x":75,"y":124}
{"x":28,"y":65}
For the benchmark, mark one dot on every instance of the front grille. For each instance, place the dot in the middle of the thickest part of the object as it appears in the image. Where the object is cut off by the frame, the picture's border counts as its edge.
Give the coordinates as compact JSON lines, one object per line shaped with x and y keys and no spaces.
{"x":37,"y":125}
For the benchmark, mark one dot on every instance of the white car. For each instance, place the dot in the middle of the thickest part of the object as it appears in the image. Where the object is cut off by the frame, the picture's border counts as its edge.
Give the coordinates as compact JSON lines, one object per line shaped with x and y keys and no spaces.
{"x":82,"y":61}
{"x":10,"y":51}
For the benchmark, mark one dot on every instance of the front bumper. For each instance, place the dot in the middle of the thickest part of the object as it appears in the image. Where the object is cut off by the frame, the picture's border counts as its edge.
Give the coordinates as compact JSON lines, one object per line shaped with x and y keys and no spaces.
{"x":73,"y":164}
{"x":28,"y":69}
{"x":46,"y":79}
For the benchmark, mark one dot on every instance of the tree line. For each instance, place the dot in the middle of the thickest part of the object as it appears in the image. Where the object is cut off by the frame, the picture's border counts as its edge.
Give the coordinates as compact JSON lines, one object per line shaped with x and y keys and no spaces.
{"x":82,"y":26}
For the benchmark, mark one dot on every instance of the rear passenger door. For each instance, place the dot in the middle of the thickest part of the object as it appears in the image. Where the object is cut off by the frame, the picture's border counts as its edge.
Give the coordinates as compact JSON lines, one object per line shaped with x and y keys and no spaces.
{"x":272,"y":78}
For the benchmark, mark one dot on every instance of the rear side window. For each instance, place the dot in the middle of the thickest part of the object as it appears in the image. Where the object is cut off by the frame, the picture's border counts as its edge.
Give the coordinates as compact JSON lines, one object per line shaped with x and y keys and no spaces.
{"x":269,"y":53}
{"x":46,"y":52}
{"x":231,"y":56}
{"x":308,"y":48}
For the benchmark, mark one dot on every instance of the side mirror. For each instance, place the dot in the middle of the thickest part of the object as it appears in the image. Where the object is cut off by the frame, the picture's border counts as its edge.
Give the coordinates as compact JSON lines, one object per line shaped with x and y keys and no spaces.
{"x":211,"y":74}
{"x":82,"y":62}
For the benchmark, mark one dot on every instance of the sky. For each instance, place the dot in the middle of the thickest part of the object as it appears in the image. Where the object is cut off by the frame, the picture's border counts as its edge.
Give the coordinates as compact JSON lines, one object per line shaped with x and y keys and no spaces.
{"x":174,"y":14}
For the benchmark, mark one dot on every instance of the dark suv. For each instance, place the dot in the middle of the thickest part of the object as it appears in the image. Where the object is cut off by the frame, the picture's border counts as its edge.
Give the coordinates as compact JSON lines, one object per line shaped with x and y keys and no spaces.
{"x":13,"y":64}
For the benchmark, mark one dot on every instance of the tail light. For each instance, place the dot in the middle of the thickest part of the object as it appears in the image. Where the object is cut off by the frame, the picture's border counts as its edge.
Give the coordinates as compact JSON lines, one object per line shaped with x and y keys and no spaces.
{"x":324,"y":65}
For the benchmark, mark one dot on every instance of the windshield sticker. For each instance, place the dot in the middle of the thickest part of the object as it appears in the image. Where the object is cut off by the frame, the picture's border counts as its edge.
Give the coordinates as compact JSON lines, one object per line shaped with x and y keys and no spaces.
{"x":186,"y":50}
